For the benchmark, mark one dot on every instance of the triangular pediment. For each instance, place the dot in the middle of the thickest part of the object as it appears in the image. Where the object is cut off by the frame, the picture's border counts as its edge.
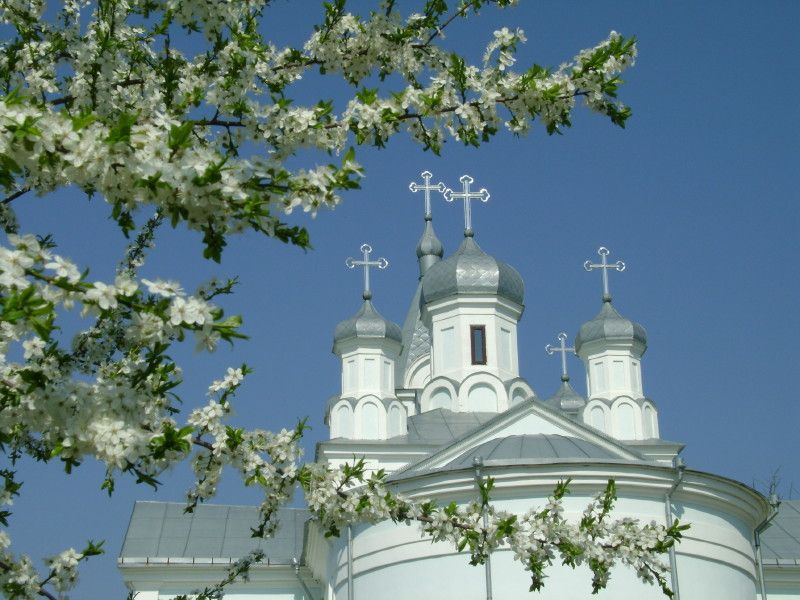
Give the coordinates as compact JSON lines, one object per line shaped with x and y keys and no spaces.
{"x":535,"y":430}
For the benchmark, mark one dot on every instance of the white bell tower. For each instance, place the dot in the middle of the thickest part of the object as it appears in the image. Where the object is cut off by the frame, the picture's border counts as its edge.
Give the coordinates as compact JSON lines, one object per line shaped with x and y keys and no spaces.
{"x":368,"y":346}
{"x":611,"y":348}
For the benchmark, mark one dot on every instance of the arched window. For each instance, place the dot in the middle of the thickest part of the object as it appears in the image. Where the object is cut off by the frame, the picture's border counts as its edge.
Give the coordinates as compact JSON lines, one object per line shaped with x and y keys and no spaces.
{"x":441,"y":399}
{"x":370,"y":422}
{"x":344,"y":422}
{"x":624,"y":427}
{"x":482,"y":398}
{"x":396,"y":425}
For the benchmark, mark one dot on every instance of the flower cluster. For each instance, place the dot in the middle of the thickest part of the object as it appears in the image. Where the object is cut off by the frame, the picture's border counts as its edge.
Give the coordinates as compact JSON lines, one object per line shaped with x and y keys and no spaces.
{"x":340,"y":497}
{"x":94,"y":101}
{"x":100,"y":97}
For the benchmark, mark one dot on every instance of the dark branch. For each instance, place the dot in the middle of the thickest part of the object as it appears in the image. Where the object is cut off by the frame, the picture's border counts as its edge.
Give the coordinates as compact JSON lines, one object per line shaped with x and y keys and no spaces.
{"x":15,"y":195}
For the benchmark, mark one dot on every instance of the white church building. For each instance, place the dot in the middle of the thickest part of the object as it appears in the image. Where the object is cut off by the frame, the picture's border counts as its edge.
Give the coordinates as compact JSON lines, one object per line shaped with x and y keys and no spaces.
{"x":438,"y":403}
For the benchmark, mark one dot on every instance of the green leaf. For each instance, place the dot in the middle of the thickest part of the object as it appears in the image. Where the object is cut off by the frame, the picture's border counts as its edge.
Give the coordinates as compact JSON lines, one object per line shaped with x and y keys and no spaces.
{"x":179,"y":136}
{"x":121,"y":131}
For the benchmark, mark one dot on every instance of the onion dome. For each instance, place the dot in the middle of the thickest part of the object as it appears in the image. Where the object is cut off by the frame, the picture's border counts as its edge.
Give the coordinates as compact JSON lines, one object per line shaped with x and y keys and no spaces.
{"x":429,"y":249}
{"x":610,"y":325}
{"x":367,"y":323}
{"x":567,"y":399}
{"x":471,"y":271}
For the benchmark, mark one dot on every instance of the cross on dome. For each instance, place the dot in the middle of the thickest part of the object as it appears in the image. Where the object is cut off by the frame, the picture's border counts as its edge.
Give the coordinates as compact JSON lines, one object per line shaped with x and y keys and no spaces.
{"x":352,"y":263}
{"x":604,"y":266}
{"x":427,"y":188}
{"x":466,"y":195}
{"x":562,"y":349}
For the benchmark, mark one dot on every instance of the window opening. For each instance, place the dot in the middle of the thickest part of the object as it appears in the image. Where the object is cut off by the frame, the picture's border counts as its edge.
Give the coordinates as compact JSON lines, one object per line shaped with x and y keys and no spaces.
{"x":477,"y":334}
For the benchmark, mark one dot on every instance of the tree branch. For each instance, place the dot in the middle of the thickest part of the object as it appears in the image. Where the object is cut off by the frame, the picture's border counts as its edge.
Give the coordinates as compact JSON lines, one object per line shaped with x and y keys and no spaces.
{"x":20,"y":192}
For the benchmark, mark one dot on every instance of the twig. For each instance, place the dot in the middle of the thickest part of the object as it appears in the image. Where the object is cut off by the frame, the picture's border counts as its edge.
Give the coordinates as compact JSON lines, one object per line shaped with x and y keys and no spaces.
{"x":16,"y":195}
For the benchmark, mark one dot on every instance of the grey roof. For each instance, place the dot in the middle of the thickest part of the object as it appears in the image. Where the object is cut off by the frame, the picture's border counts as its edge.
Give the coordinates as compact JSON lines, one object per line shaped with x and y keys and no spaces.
{"x":164,"y":530}
{"x":780,"y":543}
{"x":566,"y":399}
{"x":441,"y":426}
{"x":609,"y":324}
{"x":533,"y":447}
{"x":436,"y":427}
{"x":429,"y":249}
{"x":416,"y":336}
{"x":471,"y":271}
{"x":366,"y":323}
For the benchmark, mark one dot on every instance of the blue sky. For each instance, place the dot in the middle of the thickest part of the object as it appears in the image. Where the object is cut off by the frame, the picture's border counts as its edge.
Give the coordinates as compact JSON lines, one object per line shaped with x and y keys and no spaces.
{"x":698,"y":195}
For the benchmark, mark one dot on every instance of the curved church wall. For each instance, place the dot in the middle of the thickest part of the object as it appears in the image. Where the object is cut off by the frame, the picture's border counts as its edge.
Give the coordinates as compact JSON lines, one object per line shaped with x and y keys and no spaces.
{"x":715,"y":560}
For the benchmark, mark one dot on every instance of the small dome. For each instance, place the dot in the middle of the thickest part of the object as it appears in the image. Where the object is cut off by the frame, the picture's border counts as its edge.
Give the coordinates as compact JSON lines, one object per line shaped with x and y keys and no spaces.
{"x":429,"y":249}
{"x":610,"y":325}
{"x":566,"y":399}
{"x":471,"y":271}
{"x":429,"y":244}
{"x":366,"y":323}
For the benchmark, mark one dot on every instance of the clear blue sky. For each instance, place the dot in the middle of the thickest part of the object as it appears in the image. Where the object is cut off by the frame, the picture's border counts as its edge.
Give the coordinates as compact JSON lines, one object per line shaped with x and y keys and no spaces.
{"x":699,"y":195}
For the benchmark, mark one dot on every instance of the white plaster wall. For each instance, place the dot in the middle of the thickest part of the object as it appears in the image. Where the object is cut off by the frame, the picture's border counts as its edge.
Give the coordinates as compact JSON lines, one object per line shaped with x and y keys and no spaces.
{"x":450,"y":329}
{"x":369,"y":369}
{"x":613,"y":372}
{"x":164,"y":582}
{"x":256,"y":594}
{"x":393,"y":562}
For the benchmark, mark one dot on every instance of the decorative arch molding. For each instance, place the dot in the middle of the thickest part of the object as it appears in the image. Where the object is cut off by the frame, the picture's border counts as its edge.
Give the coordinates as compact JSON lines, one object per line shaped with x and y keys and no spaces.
{"x":519,"y":391}
{"x":396,"y":419}
{"x":485,"y":380}
{"x":649,"y":421}
{"x":626,"y":419}
{"x":341,"y":419}
{"x":597,"y":415}
{"x":418,"y":374}
{"x":370,"y":419}
{"x":437,"y":394}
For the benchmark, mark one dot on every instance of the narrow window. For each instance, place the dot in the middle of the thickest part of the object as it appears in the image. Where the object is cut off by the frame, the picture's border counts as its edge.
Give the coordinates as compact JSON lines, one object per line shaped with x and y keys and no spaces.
{"x":477,"y":335}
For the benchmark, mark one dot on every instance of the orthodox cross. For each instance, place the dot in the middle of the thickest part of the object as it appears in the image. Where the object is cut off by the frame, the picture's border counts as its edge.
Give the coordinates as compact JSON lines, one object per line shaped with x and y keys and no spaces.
{"x":466,"y":195}
{"x":604,"y":266}
{"x":381,"y":263}
{"x":562,"y":349}
{"x":427,"y":188}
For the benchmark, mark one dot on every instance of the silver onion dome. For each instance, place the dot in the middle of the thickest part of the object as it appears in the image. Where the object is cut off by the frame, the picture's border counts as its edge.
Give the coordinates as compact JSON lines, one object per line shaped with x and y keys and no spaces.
{"x":366,"y":323}
{"x":610,"y":325}
{"x":429,"y":249}
{"x":567,"y":399}
{"x":471,"y":271}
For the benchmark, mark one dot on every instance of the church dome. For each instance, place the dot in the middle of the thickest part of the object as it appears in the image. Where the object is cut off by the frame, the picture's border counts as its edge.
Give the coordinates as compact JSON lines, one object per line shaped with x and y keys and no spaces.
{"x":429,"y":244}
{"x":429,"y":249}
{"x":366,"y":323}
{"x":610,"y":325}
{"x":566,"y":399}
{"x":471,"y":271}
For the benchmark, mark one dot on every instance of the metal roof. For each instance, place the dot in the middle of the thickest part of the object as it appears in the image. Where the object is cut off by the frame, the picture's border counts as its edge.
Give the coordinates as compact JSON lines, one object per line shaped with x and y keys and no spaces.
{"x":471,"y":271}
{"x":429,"y":245}
{"x":531,"y":447}
{"x":780,"y":543}
{"x":164,"y":530}
{"x":366,"y":323}
{"x":609,"y":324}
{"x":416,"y":337}
{"x":441,"y":426}
{"x":566,"y":399}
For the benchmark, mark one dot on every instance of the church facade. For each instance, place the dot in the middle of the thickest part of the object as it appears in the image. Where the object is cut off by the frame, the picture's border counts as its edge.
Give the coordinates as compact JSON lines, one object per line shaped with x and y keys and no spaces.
{"x":439,"y":403}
